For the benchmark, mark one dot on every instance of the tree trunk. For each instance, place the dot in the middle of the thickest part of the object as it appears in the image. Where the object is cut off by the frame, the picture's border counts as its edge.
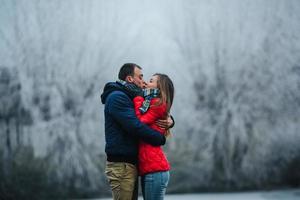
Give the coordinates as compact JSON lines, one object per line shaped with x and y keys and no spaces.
{"x":7,"y":151}
{"x":8,"y":142}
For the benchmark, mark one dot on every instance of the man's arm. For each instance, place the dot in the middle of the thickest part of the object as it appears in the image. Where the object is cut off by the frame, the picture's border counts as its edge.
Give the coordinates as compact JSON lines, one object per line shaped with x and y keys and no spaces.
{"x":122,"y":110}
{"x":166,"y":123}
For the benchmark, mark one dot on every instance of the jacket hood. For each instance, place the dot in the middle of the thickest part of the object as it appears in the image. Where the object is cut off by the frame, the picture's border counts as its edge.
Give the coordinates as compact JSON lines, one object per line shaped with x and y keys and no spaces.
{"x":109,"y":88}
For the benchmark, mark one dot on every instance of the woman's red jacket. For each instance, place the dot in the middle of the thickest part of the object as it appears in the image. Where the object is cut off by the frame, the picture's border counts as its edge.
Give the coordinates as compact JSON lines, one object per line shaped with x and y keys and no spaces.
{"x":151,"y":158}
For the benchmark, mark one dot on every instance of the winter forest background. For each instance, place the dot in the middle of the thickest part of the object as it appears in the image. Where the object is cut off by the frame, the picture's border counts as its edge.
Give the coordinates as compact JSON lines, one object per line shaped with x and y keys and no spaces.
{"x":236,"y":69}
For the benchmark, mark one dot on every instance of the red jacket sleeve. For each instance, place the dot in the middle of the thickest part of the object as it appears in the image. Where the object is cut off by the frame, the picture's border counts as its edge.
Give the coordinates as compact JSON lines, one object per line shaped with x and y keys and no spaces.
{"x":154,"y":112}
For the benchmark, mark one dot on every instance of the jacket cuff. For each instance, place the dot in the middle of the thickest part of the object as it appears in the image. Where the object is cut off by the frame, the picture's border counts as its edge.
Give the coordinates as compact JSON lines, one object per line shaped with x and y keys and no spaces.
{"x":173,"y":122}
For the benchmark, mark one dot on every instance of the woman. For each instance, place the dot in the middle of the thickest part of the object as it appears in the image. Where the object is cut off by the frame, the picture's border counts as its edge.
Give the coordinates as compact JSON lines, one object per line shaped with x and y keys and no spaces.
{"x":153,"y":164}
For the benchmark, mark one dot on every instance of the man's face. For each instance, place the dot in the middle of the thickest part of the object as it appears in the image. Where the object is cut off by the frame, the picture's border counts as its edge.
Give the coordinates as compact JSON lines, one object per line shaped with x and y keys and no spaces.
{"x":137,"y":78}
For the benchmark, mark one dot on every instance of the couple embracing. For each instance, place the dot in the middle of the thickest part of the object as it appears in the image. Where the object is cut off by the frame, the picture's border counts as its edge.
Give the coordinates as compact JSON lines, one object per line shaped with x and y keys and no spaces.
{"x":137,"y":122}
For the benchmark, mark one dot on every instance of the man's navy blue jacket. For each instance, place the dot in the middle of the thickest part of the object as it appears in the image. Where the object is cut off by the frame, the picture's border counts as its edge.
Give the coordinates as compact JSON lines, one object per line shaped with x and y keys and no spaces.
{"x":123,"y":129}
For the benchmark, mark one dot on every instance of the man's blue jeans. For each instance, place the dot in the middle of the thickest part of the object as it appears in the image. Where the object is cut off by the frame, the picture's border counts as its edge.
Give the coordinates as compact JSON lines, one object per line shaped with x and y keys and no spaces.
{"x":154,"y":185}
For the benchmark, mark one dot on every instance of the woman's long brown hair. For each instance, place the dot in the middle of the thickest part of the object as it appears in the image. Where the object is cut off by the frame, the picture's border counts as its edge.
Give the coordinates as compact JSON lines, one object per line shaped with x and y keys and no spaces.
{"x":166,"y":87}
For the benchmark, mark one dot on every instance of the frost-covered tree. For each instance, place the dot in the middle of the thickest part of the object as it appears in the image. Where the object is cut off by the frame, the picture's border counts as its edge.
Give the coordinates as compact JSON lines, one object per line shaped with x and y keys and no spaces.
{"x":235,"y":67}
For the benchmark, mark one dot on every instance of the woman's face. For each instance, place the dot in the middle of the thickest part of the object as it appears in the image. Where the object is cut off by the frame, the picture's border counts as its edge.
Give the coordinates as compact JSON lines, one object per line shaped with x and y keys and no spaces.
{"x":152,"y":84}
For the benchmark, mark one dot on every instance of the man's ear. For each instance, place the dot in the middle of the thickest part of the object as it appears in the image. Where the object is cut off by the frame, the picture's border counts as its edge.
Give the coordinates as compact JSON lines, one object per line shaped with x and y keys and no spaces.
{"x":129,"y":79}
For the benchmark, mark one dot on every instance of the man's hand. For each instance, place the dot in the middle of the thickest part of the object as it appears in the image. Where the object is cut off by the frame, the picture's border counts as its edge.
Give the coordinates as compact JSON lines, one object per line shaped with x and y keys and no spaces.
{"x":165,"y":123}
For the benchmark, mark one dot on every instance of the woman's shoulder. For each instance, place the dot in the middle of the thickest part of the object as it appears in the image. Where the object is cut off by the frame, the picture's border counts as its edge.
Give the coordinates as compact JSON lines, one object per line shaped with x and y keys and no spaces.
{"x":157,"y":102}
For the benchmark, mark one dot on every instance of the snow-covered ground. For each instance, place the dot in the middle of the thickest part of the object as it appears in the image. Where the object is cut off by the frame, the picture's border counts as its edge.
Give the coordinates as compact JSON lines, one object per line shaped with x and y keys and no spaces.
{"x":261,"y":195}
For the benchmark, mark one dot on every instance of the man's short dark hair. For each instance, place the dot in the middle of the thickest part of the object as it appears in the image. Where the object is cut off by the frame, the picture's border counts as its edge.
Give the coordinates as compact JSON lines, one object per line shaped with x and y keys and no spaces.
{"x":127,"y":70}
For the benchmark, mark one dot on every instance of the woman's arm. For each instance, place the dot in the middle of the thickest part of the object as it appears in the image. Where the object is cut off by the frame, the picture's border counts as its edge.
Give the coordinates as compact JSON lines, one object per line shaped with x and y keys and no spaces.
{"x":154,"y":112}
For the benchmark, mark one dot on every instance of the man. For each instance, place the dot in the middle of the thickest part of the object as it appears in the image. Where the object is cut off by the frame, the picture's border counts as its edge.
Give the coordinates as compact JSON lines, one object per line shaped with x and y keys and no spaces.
{"x":123,"y":131}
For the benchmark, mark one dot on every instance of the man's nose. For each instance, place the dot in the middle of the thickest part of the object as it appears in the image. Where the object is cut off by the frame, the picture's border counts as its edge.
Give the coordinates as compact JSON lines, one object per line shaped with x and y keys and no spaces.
{"x":144,"y":84}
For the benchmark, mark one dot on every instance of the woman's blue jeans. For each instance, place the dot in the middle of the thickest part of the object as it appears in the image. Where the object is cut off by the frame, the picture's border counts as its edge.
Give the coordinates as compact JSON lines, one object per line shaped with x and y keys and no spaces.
{"x":154,"y":185}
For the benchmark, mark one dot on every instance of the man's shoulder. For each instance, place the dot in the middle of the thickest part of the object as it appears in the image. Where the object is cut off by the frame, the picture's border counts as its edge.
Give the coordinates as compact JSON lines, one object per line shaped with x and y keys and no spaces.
{"x":118,"y":96}
{"x":118,"y":100}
